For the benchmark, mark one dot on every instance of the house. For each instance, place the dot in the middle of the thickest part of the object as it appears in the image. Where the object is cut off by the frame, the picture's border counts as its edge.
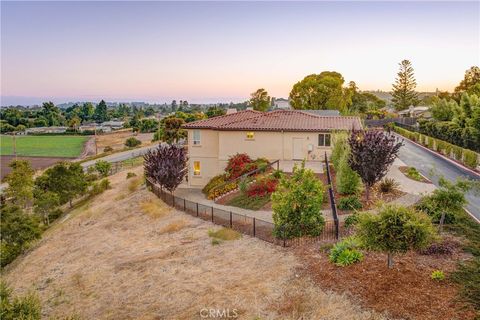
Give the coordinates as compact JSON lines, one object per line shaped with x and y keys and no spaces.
{"x":41,"y":130}
{"x":415,"y":112}
{"x":323,"y":113}
{"x":284,"y":135}
{"x":281,"y":103}
{"x":114,"y":125}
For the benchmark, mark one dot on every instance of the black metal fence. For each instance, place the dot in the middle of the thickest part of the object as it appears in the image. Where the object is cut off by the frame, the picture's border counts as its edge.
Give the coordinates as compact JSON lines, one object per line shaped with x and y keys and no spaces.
{"x":331,"y":196}
{"x":251,"y":226}
{"x":381,"y":122}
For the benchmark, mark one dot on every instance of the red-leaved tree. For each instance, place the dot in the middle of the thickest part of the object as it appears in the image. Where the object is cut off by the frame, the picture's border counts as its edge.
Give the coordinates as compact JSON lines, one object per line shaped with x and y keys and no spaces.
{"x":372,"y":153}
{"x":166,"y":165}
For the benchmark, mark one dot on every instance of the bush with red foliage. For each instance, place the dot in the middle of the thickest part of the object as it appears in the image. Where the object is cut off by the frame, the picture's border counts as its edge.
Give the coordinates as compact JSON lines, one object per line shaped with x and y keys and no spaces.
{"x":261,"y":188}
{"x":238,"y":165}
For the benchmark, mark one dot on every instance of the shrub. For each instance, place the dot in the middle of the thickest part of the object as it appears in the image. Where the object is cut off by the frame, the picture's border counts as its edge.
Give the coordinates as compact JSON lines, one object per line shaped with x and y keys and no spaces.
{"x":348,"y":181}
{"x":297,"y":204}
{"x":470,"y":158}
{"x":395,"y":229}
{"x":18,"y":230}
{"x":448,"y":149}
{"x":23,"y":307}
{"x":243,"y":185}
{"x":351,"y":220}
{"x":446,"y":247}
{"x":107,"y":149}
{"x":340,"y":147}
{"x":350,"y":203}
{"x":431,"y":143}
{"x":131,"y":175}
{"x":262,"y":187}
{"x":238,"y":165}
{"x":437,"y":275}
{"x":132,"y":142}
{"x":214,"y":182}
{"x":345,"y":253}
{"x":441,"y":145}
{"x":388,"y":185}
{"x":429,"y":205}
{"x":103,"y":167}
{"x":277,"y":174}
{"x":99,"y":187}
{"x":457,"y":152}
{"x":413,"y":173}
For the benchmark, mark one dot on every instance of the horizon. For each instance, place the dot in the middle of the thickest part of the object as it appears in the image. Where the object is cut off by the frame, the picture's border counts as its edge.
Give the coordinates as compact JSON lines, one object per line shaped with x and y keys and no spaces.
{"x":211,"y":52}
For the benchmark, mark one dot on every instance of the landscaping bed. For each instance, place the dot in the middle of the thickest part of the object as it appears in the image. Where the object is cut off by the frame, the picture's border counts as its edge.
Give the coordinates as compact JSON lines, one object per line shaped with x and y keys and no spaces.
{"x":375,"y":196}
{"x":237,"y":199}
{"x":406,"y":291}
{"x":413,"y":174}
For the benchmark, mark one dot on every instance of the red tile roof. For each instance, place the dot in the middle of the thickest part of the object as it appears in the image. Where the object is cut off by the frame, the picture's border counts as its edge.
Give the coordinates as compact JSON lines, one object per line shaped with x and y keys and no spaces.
{"x":278,"y":120}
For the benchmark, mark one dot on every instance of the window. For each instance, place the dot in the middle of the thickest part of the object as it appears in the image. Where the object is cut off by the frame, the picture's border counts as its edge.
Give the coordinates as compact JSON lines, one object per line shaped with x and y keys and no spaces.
{"x":196,"y":168}
{"x":250,"y":135}
{"x":196,"y":137}
{"x":324,"y":140}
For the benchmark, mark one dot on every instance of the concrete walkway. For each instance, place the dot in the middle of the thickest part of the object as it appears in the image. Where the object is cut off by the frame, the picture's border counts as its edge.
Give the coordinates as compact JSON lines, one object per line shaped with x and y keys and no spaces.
{"x":196,"y":195}
{"x":406,"y":184}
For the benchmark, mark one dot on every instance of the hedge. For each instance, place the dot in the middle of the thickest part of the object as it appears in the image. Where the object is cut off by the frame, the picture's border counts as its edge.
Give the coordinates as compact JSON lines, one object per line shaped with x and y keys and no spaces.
{"x":466,"y":156}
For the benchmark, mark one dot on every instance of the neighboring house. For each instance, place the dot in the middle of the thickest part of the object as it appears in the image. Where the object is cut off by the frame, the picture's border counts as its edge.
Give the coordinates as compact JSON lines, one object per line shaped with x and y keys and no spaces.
{"x":284,"y":135}
{"x":39,"y":130}
{"x":415,"y":112}
{"x":113,"y":125}
{"x":281,"y":103}
{"x":323,"y":113}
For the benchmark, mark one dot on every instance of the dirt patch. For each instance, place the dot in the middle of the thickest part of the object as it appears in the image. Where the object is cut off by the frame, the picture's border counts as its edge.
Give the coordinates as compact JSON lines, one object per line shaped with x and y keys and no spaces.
{"x":116,"y":140}
{"x":114,"y":258}
{"x":406,"y":291}
{"x":35,"y":162}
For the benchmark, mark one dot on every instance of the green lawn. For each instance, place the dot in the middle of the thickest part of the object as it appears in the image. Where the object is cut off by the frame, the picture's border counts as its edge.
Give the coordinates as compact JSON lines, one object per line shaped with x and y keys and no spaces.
{"x":46,"y":146}
{"x":250,"y":203}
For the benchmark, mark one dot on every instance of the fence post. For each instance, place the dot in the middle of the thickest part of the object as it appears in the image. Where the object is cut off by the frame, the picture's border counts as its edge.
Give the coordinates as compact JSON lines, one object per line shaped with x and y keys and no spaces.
{"x":212,"y":214}
{"x":254,"y":226}
{"x":197,"y":208}
{"x":173,"y":200}
{"x":231,"y":225}
{"x":283,"y":236}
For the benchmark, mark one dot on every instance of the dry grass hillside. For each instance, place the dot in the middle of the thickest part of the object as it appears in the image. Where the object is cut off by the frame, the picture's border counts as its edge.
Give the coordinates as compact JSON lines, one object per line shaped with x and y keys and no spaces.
{"x":125,"y":255}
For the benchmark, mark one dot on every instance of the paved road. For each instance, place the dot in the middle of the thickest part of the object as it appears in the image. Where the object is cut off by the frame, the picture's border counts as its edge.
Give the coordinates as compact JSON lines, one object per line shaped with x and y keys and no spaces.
{"x":121,"y":156}
{"x":425,"y":161}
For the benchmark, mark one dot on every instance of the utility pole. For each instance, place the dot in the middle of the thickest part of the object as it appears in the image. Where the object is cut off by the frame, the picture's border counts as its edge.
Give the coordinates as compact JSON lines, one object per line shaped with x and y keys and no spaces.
{"x":14,"y":145}
{"x":96,"y":147}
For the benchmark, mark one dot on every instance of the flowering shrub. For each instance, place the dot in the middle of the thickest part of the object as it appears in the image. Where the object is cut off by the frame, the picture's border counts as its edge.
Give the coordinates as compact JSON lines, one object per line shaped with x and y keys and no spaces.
{"x":262,"y":187}
{"x":238,"y":165}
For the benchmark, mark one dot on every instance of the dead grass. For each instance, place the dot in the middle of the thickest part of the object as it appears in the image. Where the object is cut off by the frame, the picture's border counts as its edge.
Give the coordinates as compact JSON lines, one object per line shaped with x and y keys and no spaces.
{"x":107,"y":261}
{"x":155,"y":208}
{"x":116,"y":140}
{"x":173,"y":226}
{"x":224,"y":234}
{"x":135,"y":183}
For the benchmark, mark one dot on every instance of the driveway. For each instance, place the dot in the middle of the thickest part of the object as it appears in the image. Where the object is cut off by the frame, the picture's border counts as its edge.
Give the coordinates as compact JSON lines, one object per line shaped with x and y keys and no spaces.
{"x":424,"y":161}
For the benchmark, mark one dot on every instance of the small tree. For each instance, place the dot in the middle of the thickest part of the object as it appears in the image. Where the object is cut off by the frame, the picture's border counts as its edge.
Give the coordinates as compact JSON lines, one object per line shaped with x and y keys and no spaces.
{"x":20,"y":182}
{"x":166,"y":165}
{"x":171,"y":130}
{"x":348,"y":181}
{"x":66,"y":179}
{"x":447,"y":200}
{"x":371,"y":154}
{"x":403,"y":90}
{"x":132,"y":142}
{"x":103,"y":167}
{"x":297,"y":204}
{"x":260,"y":100}
{"x":45,"y":203}
{"x":395,"y":230}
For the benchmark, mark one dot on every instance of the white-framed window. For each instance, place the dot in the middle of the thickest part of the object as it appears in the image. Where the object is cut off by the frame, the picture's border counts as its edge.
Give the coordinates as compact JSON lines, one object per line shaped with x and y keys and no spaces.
{"x":196,"y":168}
{"x":250,"y":135}
{"x":324,"y":139}
{"x":196,"y":137}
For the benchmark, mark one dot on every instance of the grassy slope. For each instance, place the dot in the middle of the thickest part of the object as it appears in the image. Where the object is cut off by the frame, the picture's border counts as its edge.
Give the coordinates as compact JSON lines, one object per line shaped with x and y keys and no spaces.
{"x":46,"y":146}
{"x":251,"y":203}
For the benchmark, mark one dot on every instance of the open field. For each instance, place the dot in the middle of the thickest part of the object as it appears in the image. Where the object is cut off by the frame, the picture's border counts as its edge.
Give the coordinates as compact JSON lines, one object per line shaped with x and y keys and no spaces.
{"x":35,"y":162}
{"x":43,"y":146}
{"x":116,"y":140}
{"x":126,"y":255}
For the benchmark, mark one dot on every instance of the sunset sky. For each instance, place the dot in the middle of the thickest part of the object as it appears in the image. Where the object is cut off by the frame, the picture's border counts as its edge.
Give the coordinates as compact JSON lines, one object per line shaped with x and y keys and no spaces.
{"x":222,"y":51}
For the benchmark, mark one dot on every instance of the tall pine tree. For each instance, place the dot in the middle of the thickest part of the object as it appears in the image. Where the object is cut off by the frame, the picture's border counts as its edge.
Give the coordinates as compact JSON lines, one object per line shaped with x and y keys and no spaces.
{"x":404,"y":94}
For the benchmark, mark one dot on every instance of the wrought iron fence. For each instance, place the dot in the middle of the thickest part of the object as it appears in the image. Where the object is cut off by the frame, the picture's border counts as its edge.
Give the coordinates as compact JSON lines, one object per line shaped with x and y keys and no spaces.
{"x":242,"y":223}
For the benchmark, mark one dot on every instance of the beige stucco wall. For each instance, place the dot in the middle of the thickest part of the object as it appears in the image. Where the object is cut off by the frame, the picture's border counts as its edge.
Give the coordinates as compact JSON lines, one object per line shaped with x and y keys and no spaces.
{"x":217,"y":146}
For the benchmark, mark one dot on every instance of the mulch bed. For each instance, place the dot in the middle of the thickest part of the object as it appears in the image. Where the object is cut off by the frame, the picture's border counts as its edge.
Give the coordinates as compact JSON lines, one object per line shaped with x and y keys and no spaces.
{"x":405,"y":291}
{"x":376,"y":195}
{"x":404,"y":169}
